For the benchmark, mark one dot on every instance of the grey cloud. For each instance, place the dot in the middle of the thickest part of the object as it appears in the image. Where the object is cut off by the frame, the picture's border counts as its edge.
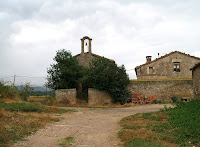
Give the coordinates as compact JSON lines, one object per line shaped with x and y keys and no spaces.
{"x":125,"y":31}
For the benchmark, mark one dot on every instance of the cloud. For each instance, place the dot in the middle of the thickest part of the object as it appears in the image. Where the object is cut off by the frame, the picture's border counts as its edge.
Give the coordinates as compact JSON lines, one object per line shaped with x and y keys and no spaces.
{"x":125,"y":31}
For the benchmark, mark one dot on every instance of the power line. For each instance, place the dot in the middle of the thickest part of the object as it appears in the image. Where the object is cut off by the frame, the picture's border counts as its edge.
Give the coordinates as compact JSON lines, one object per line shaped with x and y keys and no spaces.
{"x":7,"y":77}
{"x":22,"y":77}
{"x":130,"y":69}
{"x":29,"y":77}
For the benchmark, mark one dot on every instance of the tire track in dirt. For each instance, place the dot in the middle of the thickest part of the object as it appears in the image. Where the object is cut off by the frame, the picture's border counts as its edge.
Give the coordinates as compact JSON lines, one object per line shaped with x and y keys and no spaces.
{"x":91,"y":127}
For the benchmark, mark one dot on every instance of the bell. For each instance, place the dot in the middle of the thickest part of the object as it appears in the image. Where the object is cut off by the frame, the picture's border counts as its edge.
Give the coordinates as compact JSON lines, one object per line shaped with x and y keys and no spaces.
{"x":86,"y":43}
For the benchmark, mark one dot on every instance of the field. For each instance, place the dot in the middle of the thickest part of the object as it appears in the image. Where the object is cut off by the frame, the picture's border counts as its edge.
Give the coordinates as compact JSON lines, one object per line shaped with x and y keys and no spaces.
{"x":20,"y":119}
{"x":172,"y":127}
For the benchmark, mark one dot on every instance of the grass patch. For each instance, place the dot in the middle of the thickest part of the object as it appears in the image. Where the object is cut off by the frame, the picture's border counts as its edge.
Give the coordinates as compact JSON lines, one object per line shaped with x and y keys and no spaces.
{"x":177,"y":126}
{"x":15,"y":125}
{"x":137,"y":142}
{"x":67,"y":141}
{"x":28,"y":107}
{"x":22,"y":119}
{"x":25,"y":107}
{"x":37,"y":98}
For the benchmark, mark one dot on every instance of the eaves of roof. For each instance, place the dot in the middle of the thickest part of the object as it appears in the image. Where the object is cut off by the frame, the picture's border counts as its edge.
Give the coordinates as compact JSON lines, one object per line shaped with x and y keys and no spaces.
{"x":195,"y":66}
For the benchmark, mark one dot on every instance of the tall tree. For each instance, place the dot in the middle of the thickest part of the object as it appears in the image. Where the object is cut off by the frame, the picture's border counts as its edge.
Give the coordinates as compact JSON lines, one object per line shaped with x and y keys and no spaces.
{"x":65,"y":73}
{"x":105,"y":75}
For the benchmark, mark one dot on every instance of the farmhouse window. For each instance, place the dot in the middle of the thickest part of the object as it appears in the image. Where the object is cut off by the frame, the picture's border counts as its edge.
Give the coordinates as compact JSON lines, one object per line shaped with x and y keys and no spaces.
{"x":176,"y":66}
{"x":150,"y":70}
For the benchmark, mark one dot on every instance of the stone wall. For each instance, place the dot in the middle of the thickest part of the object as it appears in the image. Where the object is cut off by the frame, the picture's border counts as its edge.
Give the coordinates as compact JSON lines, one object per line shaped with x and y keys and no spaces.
{"x":196,"y":82}
{"x":163,"y":89}
{"x":66,"y":96}
{"x":84,"y":59}
{"x":96,"y":97}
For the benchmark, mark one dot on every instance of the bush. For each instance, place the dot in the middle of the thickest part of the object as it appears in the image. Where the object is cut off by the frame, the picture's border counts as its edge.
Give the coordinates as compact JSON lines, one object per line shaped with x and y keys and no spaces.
{"x":174,"y":98}
{"x":7,"y":91}
{"x":25,"y":91}
{"x":105,"y":75}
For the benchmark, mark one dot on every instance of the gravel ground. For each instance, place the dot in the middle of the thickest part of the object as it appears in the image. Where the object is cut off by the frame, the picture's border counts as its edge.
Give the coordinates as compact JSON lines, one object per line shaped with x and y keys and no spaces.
{"x":91,"y":127}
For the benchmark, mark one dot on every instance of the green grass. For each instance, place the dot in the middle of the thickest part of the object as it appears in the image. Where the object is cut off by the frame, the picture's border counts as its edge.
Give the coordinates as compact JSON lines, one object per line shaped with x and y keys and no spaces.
{"x":179,"y":126}
{"x":24,"y":107}
{"x":185,"y":119}
{"x":66,"y":142}
{"x":22,"y":119}
{"x":61,"y":111}
{"x":14,"y":126}
{"x":137,"y":142}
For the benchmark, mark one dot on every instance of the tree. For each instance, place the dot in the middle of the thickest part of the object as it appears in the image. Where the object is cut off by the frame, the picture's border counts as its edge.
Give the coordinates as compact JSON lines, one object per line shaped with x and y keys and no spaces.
{"x":65,"y":73}
{"x":25,"y":91}
{"x":105,"y":75}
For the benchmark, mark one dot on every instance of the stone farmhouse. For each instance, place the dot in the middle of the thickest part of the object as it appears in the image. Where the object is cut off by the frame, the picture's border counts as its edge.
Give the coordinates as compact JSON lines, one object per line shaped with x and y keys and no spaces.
{"x":167,"y":76}
{"x":175,"y":65}
{"x":196,"y":80}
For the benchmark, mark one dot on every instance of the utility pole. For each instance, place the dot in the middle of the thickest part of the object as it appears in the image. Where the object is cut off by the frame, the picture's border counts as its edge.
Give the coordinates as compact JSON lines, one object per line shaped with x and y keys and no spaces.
{"x":46,"y":92}
{"x":14,"y":79}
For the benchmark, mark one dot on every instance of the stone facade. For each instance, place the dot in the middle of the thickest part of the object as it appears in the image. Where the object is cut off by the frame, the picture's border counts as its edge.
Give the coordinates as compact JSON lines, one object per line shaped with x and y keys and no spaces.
{"x":175,"y":65}
{"x":84,"y":59}
{"x":66,"y":96}
{"x":196,"y":80}
{"x":163,"y":89}
{"x":96,"y":97}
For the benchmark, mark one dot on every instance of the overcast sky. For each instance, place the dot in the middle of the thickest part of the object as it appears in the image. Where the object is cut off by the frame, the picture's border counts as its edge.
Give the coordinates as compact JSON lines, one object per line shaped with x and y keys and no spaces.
{"x":31,"y":31}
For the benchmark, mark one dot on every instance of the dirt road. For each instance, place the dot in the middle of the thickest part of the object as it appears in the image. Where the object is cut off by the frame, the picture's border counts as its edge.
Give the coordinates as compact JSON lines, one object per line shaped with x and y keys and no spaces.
{"x":91,"y":127}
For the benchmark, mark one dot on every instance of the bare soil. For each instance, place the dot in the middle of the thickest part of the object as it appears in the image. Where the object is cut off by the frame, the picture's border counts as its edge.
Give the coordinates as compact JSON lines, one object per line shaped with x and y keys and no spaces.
{"x":91,"y":127}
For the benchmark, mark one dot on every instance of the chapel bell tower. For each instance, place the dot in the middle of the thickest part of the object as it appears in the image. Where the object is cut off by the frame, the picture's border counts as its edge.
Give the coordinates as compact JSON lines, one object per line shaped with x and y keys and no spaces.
{"x":86,"y":44}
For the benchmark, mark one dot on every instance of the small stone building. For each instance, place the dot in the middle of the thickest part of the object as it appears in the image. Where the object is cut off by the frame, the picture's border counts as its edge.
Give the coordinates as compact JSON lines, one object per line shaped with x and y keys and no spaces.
{"x":84,"y":59}
{"x":92,"y":96}
{"x":196,"y":80}
{"x":175,"y":65}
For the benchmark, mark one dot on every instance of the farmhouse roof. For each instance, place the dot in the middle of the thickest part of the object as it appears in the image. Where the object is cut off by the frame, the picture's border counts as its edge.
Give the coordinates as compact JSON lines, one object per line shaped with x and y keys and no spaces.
{"x":166,"y":56}
{"x":195,"y":66}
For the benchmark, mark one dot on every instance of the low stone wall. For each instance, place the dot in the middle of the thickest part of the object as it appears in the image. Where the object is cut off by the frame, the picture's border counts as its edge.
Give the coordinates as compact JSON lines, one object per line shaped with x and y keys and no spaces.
{"x":96,"y":97}
{"x":66,"y":96}
{"x":163,"y":89}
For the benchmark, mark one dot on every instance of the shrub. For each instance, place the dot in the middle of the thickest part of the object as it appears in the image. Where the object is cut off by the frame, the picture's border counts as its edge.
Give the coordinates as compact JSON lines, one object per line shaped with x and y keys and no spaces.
{"x":7,"y":91}
{"x":25,"y":91}
{"x":105,"y":75}
{"x":174,"y":98}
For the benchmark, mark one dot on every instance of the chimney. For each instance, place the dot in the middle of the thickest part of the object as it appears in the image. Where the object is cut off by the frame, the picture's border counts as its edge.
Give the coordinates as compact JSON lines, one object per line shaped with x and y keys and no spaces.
{"x":148,"y":58}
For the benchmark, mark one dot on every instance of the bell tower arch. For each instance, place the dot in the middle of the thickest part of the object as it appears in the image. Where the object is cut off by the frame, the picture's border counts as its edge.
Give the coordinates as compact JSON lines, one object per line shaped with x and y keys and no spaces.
{"x":86,"y":41}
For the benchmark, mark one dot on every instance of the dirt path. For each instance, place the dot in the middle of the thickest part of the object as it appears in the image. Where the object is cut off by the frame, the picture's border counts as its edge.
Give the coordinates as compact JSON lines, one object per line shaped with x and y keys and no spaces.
{"x":91,"y":127}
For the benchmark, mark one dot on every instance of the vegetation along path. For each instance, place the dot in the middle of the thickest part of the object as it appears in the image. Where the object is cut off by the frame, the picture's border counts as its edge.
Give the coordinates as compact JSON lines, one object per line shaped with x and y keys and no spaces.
{"x":89,"y":127}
